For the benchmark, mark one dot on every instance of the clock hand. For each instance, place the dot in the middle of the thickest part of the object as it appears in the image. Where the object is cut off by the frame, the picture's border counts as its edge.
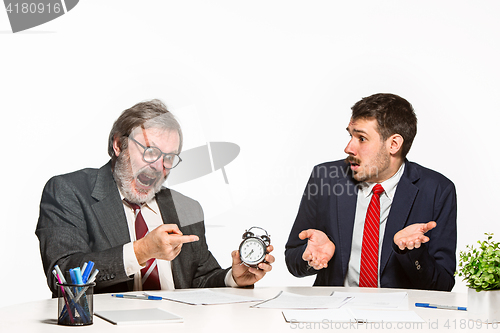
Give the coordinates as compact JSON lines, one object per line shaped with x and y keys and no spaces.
{"x":248,"y":255}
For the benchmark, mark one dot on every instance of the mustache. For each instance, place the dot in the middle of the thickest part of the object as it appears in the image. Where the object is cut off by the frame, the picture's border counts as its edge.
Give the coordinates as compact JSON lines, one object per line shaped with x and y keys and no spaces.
{"x":352,"y":159}
{"x":150,"y":174}
{"x":148,"y":171}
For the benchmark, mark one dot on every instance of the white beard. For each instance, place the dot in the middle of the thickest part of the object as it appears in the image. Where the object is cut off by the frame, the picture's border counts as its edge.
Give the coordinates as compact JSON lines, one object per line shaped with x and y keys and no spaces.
{"x":125,"y":178}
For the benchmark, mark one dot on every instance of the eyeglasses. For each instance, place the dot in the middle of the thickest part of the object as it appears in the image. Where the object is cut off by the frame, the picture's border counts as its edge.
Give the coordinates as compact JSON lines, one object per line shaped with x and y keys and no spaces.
{"x":152,"y":154}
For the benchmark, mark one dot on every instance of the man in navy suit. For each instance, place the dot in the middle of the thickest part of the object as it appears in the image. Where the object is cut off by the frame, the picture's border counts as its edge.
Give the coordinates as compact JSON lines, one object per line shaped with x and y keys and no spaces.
{"x":418,"y":209}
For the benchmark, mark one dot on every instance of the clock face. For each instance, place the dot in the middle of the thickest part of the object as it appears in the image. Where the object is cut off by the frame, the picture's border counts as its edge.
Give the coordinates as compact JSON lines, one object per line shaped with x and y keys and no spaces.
{"x":252,"y":251}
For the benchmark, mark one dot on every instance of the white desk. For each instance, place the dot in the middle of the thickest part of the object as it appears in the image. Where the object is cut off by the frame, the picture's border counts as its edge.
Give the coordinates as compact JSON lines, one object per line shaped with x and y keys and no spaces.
{"x":41,"y":316}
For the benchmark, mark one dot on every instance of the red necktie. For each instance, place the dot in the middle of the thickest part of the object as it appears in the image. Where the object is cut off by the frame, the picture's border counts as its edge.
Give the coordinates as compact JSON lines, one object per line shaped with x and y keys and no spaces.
{"x":368,"y":275}
{"x":150,"y":277}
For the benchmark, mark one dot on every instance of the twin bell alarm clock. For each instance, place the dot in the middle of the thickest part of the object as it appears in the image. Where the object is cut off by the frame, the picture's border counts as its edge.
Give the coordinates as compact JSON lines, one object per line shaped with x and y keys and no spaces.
{"x":253,"y":248}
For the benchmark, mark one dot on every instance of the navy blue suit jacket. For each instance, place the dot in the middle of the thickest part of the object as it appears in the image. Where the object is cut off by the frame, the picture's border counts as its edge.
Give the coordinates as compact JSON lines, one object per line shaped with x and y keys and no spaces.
{"x":422,"y":195}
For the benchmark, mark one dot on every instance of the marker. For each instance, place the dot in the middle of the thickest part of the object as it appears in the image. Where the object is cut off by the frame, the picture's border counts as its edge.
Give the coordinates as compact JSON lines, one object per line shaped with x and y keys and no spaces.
{"x":437,"y":306}
{"x":78,"y":275}
{"x":58,"y":270}
{"x":72,"y":276}
{"x":86,"y":271}
{"x":152,"y":298}
{"x":63,"y":313}
{"x":84,"y":267}
{"x":59,"y":275}
{"x":90,"y":280}
{"x":93,"y":276}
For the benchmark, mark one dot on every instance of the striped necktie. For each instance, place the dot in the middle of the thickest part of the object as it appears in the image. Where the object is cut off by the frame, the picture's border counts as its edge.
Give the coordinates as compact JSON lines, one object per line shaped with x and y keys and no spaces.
{"x":368,"y":274}
{"x":150,"y":276}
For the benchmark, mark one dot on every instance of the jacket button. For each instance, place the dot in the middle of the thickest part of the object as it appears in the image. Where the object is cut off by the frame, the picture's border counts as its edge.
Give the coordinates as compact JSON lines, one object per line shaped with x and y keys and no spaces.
{"x":416,"y":263}
{"x":418,"y":267}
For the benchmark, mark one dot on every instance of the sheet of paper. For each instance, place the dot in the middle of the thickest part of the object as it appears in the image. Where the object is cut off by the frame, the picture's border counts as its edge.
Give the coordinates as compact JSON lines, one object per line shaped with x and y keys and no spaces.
{"x":139,"y":316}
{"x":394,"y":300}
{"x":286,"y":300}
{"x":202,"y":297}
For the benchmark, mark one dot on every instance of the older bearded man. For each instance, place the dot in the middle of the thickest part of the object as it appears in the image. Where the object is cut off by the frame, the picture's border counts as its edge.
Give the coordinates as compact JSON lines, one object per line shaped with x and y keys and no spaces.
{"x":139,"y":234}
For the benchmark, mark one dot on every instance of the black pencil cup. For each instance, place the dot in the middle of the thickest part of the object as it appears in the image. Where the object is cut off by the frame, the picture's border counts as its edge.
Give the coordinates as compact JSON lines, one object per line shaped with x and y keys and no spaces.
{"x":75,"y":304}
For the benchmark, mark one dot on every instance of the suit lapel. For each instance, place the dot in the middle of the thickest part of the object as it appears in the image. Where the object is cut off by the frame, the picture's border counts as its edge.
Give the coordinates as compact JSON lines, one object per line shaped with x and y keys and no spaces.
{"x":167,"y":207}
{"x":346,"y":210}
{"x":109,"y":207}
{"x":169,"y":216}
{"x":402,"y":203}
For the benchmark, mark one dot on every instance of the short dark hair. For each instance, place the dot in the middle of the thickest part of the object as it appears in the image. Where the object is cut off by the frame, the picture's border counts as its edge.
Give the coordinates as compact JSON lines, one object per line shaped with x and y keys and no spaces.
{"x":394,"y":115}
{"x":152,"y":113}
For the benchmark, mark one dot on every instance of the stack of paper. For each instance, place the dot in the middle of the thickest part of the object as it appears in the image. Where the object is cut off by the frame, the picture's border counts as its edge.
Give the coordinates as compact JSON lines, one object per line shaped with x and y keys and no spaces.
{"x":393,"y":300}
{"x":352,"y":307}
{"x":286,"y":300}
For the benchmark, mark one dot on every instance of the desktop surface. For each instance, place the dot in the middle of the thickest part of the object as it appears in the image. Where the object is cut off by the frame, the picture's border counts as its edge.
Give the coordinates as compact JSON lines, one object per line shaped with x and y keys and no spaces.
{"x":41,"y":316}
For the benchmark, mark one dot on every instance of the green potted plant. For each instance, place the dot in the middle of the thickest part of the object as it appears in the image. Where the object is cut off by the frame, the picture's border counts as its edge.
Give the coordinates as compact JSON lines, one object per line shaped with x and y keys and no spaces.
{"x":480,"y":269}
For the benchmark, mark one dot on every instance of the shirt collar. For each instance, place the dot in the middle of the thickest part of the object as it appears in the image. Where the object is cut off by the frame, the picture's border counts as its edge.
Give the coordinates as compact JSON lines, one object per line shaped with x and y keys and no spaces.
{"x":389,"y":185}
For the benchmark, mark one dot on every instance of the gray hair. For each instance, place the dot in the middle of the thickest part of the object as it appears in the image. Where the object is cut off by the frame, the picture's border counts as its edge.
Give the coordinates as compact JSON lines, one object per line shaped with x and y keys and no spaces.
{"x":148,"y":114}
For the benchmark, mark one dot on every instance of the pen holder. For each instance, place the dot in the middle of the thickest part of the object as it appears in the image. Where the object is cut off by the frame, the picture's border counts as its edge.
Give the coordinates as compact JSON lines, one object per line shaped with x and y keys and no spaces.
{"x":75,"y":305}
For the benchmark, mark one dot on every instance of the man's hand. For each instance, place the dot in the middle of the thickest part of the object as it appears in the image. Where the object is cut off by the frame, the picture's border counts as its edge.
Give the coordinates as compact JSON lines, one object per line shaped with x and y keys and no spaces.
{"x":413,"y":235}
{"x":164,"y":242}
{"x":319,"y":250}
{"x":247,"y":276}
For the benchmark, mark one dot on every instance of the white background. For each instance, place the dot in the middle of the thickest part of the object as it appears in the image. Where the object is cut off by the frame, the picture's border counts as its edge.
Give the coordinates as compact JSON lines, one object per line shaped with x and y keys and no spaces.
{"x":277,"y":78}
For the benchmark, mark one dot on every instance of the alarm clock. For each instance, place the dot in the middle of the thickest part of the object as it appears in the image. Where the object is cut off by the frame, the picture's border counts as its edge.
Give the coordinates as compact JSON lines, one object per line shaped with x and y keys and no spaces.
{"x":253,"y":248}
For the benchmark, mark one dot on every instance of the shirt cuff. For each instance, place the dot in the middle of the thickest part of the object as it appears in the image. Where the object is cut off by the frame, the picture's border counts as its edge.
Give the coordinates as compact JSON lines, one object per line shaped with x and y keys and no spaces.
{"x":229,"y":280}
{"x":130,"y":262}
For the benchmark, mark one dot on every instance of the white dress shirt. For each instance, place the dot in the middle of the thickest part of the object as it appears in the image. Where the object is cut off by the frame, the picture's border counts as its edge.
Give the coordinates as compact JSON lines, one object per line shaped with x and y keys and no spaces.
{"x":152,"y":217}
{"x":363,"y":201}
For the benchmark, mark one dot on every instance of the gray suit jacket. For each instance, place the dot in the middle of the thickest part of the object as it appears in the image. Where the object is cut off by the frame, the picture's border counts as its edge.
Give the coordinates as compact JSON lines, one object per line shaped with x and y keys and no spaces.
{"x":82,"y":219}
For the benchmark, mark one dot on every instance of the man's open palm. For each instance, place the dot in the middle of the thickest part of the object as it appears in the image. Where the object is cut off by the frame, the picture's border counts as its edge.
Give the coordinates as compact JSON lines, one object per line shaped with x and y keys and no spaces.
{"x":319,"y":248}
{"x":413,"y":235}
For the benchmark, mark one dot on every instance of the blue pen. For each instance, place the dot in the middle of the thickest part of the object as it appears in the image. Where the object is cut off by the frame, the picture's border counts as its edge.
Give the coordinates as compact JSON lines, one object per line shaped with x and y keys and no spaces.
{"x":437,"y":306}
{"x":72,"y":276}
{"x":86,"y":272}
{"x":84,"y":267}
{"x":151,"y":298}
